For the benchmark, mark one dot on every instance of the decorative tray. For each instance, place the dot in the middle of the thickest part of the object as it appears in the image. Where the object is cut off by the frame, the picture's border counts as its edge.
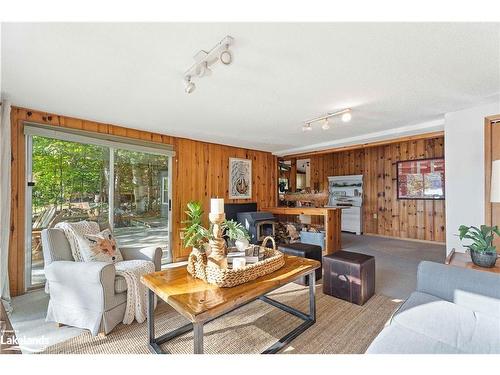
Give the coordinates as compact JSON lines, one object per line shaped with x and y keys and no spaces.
{"x":199,"y":267}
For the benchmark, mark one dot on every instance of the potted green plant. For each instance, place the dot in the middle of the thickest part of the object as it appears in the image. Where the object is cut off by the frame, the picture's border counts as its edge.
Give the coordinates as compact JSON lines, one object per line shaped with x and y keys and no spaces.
{"x":236,"y":232}
{"x":197,"y":236}
{"x":482,"y":251}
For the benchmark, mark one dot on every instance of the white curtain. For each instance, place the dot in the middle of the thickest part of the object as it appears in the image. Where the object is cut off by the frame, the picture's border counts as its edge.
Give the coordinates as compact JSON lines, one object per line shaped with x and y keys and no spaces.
{"x":5,"y":155}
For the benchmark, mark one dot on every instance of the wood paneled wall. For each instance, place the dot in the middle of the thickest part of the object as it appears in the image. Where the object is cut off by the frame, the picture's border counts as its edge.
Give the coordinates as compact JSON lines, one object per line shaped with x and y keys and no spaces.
{"x":383,"y":214}
{"x":200,"y":171}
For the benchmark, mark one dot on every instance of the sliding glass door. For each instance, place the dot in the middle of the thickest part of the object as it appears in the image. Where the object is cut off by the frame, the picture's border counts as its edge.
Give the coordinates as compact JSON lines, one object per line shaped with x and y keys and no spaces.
{"x":123,"y":187}
{"x":140,"y":209}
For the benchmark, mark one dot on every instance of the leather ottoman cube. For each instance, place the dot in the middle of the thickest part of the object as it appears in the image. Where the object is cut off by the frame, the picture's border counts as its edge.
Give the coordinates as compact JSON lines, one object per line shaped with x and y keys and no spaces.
{"x":304,"y":250}
{"x":349,"y":276}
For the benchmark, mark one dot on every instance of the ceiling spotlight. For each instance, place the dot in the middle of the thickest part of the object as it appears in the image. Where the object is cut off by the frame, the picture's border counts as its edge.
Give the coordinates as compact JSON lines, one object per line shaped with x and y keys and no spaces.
{"x":203,"y":70}
{"x":325,"y":125}
{"x":307,"y":127}
{"x":344,"y":114}
{"x":225,"y":56}
{"x":346,"y":117}
{"x":206,"y":59}
{"x":189,"y":86}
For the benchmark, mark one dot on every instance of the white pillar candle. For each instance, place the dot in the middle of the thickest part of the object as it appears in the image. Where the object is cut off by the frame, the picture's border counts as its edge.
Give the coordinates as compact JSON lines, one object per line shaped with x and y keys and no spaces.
{"x":217,"y":206}
{"x":239,"y":263}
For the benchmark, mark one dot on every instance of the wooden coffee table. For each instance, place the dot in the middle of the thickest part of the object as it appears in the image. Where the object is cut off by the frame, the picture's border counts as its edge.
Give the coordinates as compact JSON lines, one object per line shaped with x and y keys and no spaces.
{"x":201,"y":303}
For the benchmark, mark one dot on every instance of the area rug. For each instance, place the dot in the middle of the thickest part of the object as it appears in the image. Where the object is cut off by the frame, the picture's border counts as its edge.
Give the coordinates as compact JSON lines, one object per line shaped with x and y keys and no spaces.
{"x":341,"y":327}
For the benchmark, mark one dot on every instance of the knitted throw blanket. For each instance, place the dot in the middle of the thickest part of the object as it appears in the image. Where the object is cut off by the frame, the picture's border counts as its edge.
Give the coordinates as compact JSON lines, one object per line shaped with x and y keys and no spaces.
{"x":75,"y":233}
{"x":130,"y":270}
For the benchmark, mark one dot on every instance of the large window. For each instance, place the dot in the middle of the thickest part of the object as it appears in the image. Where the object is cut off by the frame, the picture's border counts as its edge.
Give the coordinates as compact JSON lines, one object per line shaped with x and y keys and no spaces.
{"x":119,"y":186}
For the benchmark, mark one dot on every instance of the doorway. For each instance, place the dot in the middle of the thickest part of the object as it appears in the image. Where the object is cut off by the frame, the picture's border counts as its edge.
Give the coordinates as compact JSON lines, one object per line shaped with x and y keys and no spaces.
{"x":124,"y":187}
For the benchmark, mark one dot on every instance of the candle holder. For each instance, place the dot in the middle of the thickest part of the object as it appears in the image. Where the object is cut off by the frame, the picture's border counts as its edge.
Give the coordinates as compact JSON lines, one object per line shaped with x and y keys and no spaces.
{"x":218,"y":254}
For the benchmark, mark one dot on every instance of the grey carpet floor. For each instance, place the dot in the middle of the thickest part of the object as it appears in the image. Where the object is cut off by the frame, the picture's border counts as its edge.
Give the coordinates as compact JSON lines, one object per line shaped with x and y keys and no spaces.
{"x":396,"y":261}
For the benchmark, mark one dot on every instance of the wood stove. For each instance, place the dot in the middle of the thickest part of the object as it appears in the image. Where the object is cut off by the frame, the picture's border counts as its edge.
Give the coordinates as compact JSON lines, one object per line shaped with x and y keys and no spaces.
{"x":258,"y":224}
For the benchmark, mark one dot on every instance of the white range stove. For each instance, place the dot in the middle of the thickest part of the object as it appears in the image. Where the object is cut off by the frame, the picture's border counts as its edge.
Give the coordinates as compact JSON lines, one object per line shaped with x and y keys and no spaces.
{"x":346,"y":192}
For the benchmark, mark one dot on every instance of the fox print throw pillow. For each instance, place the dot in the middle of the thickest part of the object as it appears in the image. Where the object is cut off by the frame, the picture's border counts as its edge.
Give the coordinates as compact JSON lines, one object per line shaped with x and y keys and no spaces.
{"x":101,"y":247}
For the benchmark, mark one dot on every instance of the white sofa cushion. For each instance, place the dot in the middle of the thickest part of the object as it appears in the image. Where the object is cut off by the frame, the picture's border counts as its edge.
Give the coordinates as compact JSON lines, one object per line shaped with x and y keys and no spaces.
{"x":396,"y":339}
{"x":448,"y":323}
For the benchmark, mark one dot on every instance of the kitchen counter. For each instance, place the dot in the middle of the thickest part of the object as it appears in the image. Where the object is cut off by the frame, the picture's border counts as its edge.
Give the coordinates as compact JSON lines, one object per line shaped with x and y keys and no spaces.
{"x":333,"y":219}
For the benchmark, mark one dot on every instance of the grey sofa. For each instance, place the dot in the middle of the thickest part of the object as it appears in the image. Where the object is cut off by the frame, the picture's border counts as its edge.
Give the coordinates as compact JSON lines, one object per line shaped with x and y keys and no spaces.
{"x":86,"y":294}
{"x":453,"y":310}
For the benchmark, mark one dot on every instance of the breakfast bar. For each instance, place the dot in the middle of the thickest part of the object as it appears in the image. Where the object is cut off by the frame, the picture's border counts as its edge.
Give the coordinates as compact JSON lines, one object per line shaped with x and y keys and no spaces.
{"x":333,"y":218}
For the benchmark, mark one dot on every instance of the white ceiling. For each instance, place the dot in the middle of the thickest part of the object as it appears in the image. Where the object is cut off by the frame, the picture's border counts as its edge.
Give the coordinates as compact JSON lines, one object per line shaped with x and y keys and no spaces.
{"x":391,"y":75}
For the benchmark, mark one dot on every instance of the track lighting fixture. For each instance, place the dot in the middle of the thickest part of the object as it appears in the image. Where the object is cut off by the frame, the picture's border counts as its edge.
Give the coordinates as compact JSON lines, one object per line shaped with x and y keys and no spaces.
{"x":203,"y":70}
{"x":325,"y":125}
{"x":344,"y":113}
{"x":189,"y":86}
{"x":346,"y":117}
{"x":225,"y":56}
{"x":204,"y":60}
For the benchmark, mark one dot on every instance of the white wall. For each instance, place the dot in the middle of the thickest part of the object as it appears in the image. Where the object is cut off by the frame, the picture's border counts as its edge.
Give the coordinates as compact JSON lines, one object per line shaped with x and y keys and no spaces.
{"x":464,"y":158}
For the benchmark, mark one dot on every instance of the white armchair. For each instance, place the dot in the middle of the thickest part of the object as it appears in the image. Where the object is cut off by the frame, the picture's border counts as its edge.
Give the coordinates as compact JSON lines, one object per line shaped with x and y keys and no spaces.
{"x":86,"y":294}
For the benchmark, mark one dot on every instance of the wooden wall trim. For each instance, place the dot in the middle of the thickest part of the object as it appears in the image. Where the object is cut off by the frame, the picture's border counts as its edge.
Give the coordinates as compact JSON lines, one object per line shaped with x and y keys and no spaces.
{"x":488,"y":159}
{"x":292,"y":182}
{"x":365,"y":145}
{"x":16,"y":242}
{"x":487,"y":171}
{"x":491,"y":152}
{"x":200,"y":171}
{"x":443,"y":242}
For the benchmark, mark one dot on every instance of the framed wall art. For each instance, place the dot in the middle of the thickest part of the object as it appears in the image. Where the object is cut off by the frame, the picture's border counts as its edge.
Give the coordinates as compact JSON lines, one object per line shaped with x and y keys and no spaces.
{"x":421,"y":179}
{"x":240,"y":178}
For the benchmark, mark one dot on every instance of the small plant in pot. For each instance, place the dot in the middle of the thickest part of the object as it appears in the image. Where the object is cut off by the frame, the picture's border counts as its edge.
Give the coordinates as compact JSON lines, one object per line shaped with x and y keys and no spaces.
{"x":237,"y":234}
{"x":482,"y":251}
{"x":201,"y":239}
{"x":197,"y":236}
